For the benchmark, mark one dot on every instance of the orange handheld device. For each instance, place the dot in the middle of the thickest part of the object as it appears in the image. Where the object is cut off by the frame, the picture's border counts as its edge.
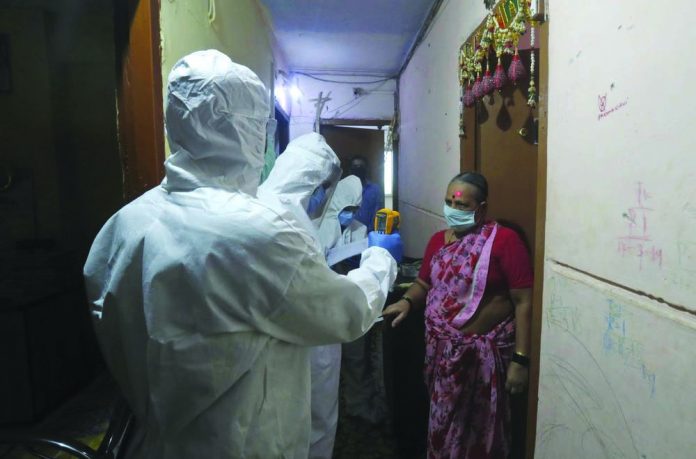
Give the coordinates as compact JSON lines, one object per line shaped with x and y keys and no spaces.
{"x":387,"y":221}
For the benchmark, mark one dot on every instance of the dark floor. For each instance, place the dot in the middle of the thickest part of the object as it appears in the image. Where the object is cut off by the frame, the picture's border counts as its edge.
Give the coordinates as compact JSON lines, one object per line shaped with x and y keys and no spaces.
{"x":359,"y":439}
{"x":84,"y":418}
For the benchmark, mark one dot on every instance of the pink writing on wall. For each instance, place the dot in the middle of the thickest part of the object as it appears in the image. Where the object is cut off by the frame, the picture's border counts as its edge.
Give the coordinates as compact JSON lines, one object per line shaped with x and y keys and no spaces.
{"x":637,"y":242}
{"x":603,"y":111}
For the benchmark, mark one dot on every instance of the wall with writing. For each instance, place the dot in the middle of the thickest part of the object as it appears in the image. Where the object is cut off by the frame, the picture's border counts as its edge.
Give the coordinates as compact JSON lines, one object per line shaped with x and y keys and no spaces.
{"x":622,"y":163}
{"x":616,"y":374}
{"x":619,"y":310}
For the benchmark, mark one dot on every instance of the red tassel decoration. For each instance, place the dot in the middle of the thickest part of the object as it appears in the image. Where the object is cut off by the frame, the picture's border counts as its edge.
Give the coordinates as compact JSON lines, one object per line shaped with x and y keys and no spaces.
{"x":516,"y":71}
{"x":477,"y":89}
{"x":499,"y":77}
{"x":469,"y":99}
{"x":487,"y":83}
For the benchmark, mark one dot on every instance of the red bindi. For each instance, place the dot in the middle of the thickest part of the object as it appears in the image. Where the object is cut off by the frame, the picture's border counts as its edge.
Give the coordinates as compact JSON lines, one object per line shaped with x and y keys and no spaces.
{"x":457,"y":194}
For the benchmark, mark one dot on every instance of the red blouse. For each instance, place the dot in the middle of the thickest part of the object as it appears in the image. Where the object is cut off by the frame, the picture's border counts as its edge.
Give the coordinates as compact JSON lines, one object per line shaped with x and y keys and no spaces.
{"x":509,"y":267}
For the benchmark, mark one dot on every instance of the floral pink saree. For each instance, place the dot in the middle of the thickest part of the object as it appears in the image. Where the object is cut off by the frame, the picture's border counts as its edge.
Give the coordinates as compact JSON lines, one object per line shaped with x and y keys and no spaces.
{"x":465,"y":374}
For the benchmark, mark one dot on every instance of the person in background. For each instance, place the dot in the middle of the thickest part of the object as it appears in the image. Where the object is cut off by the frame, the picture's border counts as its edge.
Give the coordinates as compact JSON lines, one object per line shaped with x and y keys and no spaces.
{"x":357,"y":360}
{"x":475,"y":282}
{"x":302,"y":181}
{"x":205,"y":300}
{"x":372,"y":193}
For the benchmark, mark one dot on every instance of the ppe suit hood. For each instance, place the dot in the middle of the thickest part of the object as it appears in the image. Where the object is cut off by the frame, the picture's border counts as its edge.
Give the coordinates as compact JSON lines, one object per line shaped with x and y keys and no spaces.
{"x":307,"y":162}
{"x":348,"y":194}
{"x":216,"y":116}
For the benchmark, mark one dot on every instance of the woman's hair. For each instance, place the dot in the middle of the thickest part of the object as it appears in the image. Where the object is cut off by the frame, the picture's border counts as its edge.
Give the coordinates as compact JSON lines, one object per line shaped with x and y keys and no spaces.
{"x":477,"y":180}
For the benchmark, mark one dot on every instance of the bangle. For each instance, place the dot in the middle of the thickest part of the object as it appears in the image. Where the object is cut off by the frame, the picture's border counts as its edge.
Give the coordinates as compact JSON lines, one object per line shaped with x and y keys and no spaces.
{"x":521,"y":359}
{"x":408,"y":300}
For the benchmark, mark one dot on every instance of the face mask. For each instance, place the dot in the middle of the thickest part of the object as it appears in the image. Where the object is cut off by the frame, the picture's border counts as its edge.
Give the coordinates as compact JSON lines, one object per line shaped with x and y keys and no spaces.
{"x":345,"y":217}
{"x":316,"y":201}
{"x":459,"y":220}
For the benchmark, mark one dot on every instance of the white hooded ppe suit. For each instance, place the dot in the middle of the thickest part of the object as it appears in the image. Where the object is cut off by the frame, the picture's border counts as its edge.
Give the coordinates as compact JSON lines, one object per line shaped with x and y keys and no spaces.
{"x":348,"y":194}
{"x":362,"y":366}
{"x":307,"y":163}
{"x":204,"y":299}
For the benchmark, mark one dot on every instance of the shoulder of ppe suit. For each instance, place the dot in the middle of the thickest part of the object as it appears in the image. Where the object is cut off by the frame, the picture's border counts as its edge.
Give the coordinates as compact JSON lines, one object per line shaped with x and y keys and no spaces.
{"x":314,"y":145}
{"x":135,"y":216}
{"x":287,"y":227}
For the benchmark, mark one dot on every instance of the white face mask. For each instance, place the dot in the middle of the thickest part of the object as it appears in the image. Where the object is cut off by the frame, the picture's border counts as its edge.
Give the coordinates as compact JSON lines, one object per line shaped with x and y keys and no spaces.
{"x":459,"y":220}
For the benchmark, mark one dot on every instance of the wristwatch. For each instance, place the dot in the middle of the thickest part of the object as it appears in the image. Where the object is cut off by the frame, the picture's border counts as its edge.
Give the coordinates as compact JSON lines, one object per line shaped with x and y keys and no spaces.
{"x":521,"y":359}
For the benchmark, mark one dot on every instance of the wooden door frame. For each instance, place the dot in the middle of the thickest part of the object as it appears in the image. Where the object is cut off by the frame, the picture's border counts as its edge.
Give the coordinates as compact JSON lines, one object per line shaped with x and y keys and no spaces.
{"x":539,"y":249}
{"x":139,"y":94}
{"x":469,"y":161}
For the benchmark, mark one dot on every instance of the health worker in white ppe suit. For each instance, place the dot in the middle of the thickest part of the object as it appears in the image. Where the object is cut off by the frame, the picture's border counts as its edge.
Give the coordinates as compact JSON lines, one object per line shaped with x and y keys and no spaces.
{"x":205,"y":299}
{"x":303,"y":179}
{"x":339,"y":225}
{"x":361,"y":359}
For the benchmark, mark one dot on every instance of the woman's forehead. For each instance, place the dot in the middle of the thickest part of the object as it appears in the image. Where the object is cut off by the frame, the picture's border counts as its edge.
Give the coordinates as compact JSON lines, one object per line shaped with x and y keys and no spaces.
{"x":461,"y":191}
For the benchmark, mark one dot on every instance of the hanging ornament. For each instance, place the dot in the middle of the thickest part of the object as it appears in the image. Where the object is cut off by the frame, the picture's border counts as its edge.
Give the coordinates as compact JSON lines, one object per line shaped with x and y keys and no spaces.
{"x":469,"y":98}
{"x":499,"y":77}
{"x":478,"y":87}
{"x":531,"y":92}
{"x":461,"y":110}
{"x":516,"y":71}
{"x":487,"y":84}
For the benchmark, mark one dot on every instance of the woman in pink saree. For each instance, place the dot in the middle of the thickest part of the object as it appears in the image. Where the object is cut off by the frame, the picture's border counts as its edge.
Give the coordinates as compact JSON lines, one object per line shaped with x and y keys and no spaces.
{"x":476,"y":284}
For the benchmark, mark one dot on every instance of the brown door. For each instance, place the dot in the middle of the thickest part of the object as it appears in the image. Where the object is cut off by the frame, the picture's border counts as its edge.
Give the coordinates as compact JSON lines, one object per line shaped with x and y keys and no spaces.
{"x":505,"y":152}
{"x":501,"y":143}
{"x":139,"y":95}
{"x":348,"y":142}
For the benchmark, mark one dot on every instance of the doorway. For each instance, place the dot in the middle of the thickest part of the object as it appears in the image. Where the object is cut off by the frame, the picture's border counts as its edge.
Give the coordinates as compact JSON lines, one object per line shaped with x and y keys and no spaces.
{"x":505,"y":140}
{"x":505,"y":152}
{"x":369,"y":141}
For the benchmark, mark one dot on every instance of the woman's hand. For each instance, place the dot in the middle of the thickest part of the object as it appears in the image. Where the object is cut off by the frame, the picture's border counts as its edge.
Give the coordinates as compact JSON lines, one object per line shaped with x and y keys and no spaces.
{"x":517,"y":376}
{"x":401,"y":307}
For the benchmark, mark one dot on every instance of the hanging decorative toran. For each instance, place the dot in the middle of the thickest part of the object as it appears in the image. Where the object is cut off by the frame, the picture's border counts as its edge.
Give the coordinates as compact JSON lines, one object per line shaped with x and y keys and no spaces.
{"x":501,"y":33}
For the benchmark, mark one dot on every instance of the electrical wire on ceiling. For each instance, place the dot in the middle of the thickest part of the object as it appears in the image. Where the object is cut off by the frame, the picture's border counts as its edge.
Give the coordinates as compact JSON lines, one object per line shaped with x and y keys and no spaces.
{"x":351,"y":104}
{"x":328,"y":80}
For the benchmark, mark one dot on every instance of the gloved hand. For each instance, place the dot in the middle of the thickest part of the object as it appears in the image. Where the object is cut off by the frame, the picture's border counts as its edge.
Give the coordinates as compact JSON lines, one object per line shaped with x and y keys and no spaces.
{"x":376,"y":274}
{"x":391,"y":242}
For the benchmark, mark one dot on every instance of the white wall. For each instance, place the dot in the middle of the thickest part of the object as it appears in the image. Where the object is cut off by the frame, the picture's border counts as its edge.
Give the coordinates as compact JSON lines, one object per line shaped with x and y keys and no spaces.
{"x":377,"y":102}
{"x":619,"y":330}
{"x":429,"y":130}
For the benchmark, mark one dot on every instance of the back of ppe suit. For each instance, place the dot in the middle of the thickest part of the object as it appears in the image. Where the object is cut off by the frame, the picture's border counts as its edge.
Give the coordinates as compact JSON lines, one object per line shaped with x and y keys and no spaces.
{"x":204,"y":299}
